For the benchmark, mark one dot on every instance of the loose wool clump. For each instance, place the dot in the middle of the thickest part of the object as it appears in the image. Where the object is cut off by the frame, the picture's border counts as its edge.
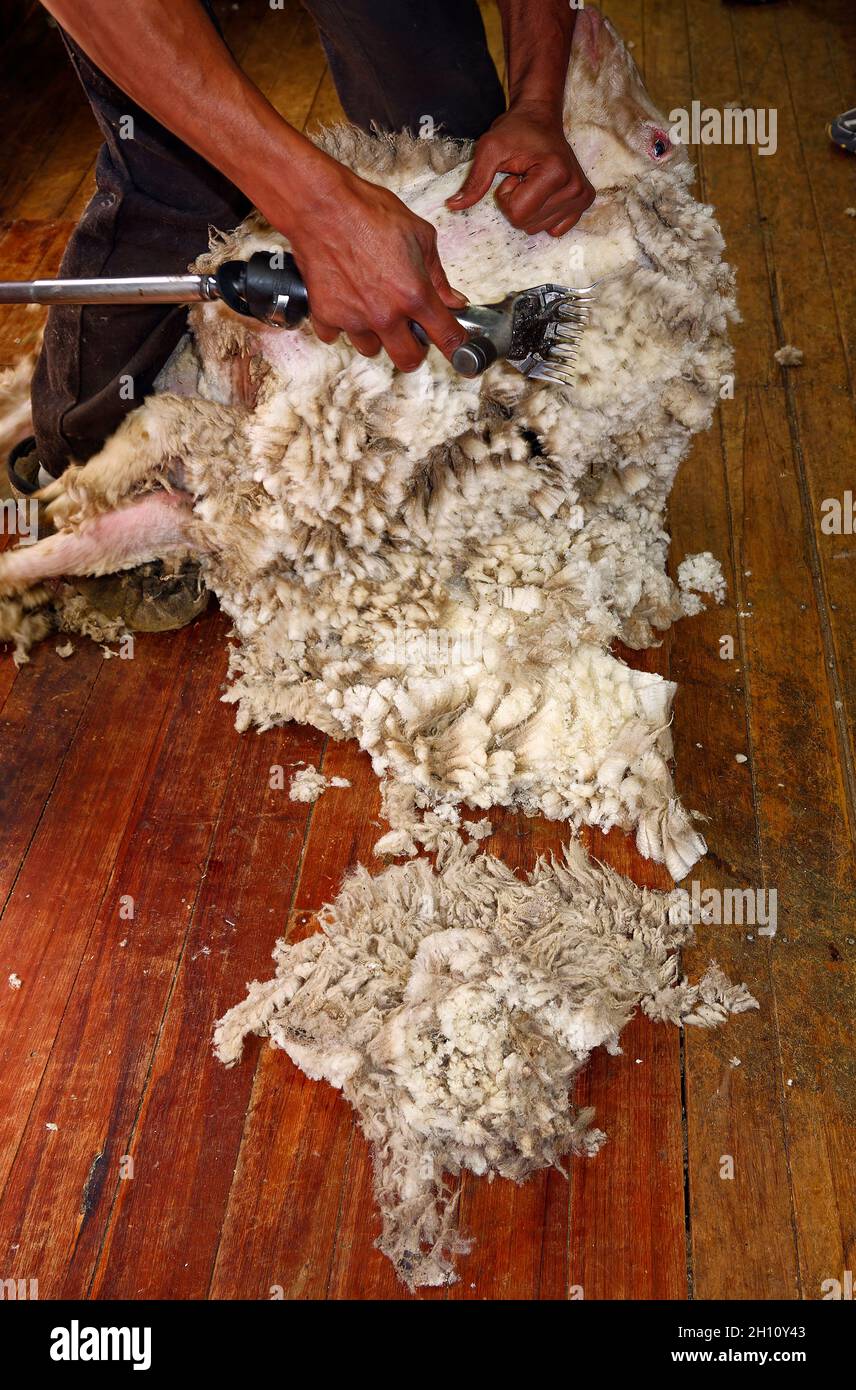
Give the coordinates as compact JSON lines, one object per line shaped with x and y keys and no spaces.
{"x":308,"y":783}
{"x":702,"y":574}
{"x":453,"y":1006}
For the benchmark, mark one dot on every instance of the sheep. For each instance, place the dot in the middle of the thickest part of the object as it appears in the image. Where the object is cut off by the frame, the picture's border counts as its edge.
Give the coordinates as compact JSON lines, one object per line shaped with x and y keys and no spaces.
{"x":343,"y":510}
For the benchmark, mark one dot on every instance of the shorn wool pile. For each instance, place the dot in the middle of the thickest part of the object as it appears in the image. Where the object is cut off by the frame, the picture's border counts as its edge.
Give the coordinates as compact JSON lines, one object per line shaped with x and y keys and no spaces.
{"x":454,"y":1007}
{"x":437,"y":567}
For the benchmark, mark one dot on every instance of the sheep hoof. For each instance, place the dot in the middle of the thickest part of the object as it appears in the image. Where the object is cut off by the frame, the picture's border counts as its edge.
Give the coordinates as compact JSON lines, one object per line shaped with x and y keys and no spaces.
{"x":154,"y":597}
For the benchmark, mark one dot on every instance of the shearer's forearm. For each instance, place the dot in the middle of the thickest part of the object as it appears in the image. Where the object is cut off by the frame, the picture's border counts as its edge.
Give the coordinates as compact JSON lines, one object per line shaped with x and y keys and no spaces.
{"x":169,"y":59}
{"x":537,"y":35}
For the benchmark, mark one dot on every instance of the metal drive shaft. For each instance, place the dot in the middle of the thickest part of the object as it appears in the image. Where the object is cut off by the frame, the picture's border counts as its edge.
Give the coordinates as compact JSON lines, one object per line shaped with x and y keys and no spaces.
{"x":149,"y":289}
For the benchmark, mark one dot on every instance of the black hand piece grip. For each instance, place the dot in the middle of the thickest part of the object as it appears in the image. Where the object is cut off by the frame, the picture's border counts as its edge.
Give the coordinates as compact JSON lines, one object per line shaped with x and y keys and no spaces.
{"x":268,"y":287}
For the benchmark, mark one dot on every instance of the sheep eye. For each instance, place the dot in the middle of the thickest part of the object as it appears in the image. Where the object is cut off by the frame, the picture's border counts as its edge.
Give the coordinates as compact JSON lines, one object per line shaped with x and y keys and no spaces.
{"x":659,"y":149}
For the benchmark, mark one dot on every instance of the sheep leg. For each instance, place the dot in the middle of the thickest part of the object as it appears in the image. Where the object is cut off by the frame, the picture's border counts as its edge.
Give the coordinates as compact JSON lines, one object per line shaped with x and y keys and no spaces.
{"x":155,"y":526}
{"x":126,"y":462}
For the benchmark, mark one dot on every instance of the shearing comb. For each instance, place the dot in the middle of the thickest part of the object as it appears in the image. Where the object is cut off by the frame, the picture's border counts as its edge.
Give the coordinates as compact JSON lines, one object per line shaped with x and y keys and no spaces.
{"x":536,"y":331}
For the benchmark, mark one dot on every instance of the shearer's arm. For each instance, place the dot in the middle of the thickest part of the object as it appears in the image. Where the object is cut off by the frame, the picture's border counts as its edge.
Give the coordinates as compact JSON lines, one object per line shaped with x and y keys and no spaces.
{"x":546,"y":190}
{"x":376,"y":265}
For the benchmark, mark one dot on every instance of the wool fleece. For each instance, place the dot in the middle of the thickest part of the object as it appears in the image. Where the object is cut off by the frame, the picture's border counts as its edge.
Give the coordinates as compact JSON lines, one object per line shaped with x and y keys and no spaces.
{"x":454,"y":1006}
{"x":445,"y":563}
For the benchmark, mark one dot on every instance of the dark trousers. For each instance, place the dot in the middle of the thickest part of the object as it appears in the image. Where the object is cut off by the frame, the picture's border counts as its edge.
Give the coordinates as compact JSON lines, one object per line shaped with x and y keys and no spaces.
{"x":393,"y":61}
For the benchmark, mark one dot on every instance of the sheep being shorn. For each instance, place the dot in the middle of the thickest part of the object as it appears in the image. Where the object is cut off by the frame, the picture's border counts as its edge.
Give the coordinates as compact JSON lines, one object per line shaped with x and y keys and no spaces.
{"x":433,"y":566}
{"x":437,"y":568}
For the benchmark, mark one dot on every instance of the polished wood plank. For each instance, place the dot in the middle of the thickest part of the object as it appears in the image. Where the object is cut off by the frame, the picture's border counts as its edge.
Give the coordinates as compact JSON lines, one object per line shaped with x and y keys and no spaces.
{"x":802,"y":745}
{"x":48,"y":918}
{"x":298,"y":1134}
{"x":733,"y":1076}
{"x":821,"y":392}
{"x":733,"y":1087}
{"x":242,"y":898}
{"x":124,"y":977}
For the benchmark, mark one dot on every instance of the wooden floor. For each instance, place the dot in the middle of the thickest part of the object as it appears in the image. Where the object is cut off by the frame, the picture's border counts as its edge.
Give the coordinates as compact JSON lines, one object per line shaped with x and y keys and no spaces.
{"x":131,"y":1163}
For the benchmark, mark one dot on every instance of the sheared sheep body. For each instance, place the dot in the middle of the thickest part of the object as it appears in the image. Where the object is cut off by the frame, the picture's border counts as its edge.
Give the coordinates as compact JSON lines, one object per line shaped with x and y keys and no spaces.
{"x":458,"y":555}
{"x":437,"y":566}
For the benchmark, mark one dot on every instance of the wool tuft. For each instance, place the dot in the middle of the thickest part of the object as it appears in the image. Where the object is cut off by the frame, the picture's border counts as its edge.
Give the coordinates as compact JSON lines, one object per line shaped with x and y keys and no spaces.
{"x":308,"y":783}
{"x":701,"y":574}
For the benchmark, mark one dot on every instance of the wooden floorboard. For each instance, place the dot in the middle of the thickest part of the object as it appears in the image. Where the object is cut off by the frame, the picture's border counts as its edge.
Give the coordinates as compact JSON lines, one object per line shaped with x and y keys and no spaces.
{"x":728,"y":1167}
{"x":294,"y":1247}
{"x":127,"y":934}
{"x":48,"y":917}
{"x":806,"y":841}
{"x":737,"y":1154}
{"x":822,"y":391}
{"x":181,"y":1183}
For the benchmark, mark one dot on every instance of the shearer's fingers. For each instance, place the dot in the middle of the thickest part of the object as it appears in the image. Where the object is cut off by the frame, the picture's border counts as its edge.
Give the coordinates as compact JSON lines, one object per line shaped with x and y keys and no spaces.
{"x":506,"y":188}
{"x":522,"y":200}
{"x":524,"y":204}
{"x":563,"y":226}
{"x":424,"y":308}
{"x":396,"y":336}
{"x":439,"y":324}
{"x":478,"y":180}
{"x":564,"y":213}
{"x":565,"y":210}
{"x":556,"y":209}
{"x":367,"y":343}
{"x":325,"y":331}
{"x":449,"y":296}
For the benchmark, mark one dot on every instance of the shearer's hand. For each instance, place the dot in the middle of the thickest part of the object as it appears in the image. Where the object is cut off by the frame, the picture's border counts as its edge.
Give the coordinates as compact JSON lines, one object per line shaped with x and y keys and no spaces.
{"x":546,"y":190}
{"x":369,"y":264}
{"x":371,"y":267}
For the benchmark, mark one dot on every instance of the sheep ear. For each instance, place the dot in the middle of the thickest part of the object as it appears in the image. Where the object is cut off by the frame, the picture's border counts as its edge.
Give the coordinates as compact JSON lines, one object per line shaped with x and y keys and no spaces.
{"x":592,"y":37}
{"x":599,"y":48}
